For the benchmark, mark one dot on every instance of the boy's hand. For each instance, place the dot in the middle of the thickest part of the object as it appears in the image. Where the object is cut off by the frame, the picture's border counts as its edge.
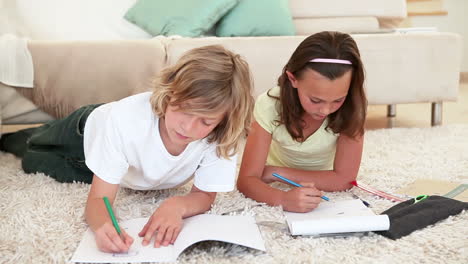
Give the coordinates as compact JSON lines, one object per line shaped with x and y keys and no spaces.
{"x":302,"y":199}
{"x":108,"y":240}
{"x":165,"y":223}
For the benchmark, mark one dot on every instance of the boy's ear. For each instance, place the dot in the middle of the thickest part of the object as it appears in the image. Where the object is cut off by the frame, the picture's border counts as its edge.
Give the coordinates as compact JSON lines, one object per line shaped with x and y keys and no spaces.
{"x":292,"y":79}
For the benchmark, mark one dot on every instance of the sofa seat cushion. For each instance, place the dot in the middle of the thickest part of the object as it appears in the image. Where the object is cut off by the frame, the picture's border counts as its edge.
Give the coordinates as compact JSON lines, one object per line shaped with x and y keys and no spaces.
{"x":347,"y":8}
{"x":309,"y":26}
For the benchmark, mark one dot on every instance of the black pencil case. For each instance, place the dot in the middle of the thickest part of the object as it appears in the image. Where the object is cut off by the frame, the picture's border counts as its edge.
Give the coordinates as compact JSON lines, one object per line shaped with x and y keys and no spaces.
{"x":409,"y":216}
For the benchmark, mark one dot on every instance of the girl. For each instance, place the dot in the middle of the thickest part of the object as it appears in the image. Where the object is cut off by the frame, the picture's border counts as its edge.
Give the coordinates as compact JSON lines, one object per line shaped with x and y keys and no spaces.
{"x":189,"y":126}
{"x":310,"y":128}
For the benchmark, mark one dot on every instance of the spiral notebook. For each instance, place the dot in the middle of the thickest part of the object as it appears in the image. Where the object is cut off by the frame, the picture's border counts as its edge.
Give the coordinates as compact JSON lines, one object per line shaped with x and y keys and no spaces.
{"x":340,"y":217}
{"x":241,"y":230}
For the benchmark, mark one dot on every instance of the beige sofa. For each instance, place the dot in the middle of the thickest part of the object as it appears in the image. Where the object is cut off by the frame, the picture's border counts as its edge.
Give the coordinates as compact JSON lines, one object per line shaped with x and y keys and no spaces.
{"x":401,"y":67}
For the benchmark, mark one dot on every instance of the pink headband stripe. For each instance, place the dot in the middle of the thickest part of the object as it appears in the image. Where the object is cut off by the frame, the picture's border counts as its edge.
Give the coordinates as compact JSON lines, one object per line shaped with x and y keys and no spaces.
{"x":331,"y":61}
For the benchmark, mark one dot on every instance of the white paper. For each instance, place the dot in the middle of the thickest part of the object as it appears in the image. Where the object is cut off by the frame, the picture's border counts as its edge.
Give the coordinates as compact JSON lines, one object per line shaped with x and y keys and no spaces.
{"x":337,"y":217}
{"x":241,"y":230}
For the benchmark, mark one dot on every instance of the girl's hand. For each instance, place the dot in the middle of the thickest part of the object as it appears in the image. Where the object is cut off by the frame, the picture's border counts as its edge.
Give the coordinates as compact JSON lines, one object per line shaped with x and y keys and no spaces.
{"x":108,"y":240}
{"x":302,"y":199}
{"x":165,"y":223}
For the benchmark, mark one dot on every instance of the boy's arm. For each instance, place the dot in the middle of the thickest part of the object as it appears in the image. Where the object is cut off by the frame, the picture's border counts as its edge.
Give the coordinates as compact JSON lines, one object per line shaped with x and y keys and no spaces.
{"x":346,"y":167}
{"x":166,"y":222}
{"x":98,"y":218}
{"x":96,"y":212}
{"x":195,"y":202}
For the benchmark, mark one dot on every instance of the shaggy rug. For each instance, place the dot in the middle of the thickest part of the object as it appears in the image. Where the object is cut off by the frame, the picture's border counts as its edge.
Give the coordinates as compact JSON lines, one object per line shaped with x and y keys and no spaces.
{"x":41,"y":221}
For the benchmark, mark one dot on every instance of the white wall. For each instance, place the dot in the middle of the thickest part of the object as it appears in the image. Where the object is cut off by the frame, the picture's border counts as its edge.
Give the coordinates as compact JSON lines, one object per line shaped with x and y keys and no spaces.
{"x":456,"y":21}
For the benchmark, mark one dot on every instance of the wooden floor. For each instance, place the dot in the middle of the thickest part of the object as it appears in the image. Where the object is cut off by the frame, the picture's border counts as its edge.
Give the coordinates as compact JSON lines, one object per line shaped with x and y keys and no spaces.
{"x":407,"y":115}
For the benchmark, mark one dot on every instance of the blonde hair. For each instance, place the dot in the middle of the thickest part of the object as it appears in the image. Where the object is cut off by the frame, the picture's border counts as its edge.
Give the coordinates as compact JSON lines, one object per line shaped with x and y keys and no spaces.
{"x":213,"y":79}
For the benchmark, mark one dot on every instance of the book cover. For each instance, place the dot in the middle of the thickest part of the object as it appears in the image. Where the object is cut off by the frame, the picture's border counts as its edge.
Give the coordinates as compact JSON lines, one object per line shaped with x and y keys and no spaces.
{"x":336,"y":217}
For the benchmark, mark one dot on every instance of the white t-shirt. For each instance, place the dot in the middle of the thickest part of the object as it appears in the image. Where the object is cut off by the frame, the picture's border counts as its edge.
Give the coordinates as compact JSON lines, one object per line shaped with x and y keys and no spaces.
{"x":122,"y":145}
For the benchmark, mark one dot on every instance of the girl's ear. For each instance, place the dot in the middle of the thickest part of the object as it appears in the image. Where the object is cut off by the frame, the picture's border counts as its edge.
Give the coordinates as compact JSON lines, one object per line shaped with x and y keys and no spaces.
{"x":292,"y":79}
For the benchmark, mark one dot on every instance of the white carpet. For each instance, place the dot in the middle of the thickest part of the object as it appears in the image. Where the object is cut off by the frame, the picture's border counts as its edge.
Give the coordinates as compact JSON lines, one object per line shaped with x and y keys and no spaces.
{"x":41,"y":221}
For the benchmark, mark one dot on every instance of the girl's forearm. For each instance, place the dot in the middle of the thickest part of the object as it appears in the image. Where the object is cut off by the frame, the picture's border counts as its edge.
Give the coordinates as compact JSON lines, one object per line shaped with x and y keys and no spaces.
{"x":254,"y":188}
{"x":326,"y":180}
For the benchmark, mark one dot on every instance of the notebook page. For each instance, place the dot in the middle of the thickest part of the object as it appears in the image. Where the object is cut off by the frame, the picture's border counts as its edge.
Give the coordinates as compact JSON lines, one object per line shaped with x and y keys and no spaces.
{"x":87,"y":251}
{"x":241,"y":230}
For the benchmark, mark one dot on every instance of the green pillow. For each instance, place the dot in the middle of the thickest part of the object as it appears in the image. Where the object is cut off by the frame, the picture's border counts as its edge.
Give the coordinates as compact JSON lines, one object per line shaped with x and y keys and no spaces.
{"x":188,"y":18}
{"x":257,"y":18}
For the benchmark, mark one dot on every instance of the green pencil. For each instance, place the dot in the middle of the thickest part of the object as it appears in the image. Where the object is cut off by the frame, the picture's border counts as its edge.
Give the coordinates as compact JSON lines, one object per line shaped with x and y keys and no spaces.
{"x":112,"y":216}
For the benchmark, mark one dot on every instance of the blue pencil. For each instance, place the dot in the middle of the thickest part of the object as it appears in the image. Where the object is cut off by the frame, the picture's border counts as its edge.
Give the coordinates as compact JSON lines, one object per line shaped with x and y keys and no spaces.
{"x":295,"y":184}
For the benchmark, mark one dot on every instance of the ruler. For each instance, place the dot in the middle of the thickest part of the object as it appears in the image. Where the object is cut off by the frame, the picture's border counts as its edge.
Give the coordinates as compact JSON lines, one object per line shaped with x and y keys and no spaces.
{"x":460,"y":188}
{"x":372,"y":190}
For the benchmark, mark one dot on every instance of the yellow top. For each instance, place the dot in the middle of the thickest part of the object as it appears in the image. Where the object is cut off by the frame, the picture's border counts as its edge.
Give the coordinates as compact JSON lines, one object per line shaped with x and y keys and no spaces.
{"x":317,"y":152}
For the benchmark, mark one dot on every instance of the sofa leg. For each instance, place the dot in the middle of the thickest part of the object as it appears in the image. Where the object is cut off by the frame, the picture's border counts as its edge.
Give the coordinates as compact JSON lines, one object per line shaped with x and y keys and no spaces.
{"x":391,"y":110}
{"x":436,"y":114}
{"x":391,"y":113}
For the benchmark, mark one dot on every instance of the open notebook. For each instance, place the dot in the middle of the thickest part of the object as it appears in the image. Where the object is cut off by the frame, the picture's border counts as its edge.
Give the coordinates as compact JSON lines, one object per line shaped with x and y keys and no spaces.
{"x":240,"y":230}
{"x":336,"y":218}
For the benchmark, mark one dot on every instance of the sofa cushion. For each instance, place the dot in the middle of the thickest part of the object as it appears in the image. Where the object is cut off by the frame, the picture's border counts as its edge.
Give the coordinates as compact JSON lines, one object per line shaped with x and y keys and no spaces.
{"x":309,"y":26}
{"x":257,"y":18}
{"x":347,"y":8}
{"x":70,"y":74}
{"x":189,"y":18}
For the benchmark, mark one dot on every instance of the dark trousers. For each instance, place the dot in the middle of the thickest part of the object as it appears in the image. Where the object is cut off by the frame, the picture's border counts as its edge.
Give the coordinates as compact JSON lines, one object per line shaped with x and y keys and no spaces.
{"x":55,"y":148}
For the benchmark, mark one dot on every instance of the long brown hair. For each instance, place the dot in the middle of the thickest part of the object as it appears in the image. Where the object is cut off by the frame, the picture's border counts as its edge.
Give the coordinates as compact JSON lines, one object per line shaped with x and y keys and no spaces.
{"x":213,"y":79}
{"x":350,"y":117}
